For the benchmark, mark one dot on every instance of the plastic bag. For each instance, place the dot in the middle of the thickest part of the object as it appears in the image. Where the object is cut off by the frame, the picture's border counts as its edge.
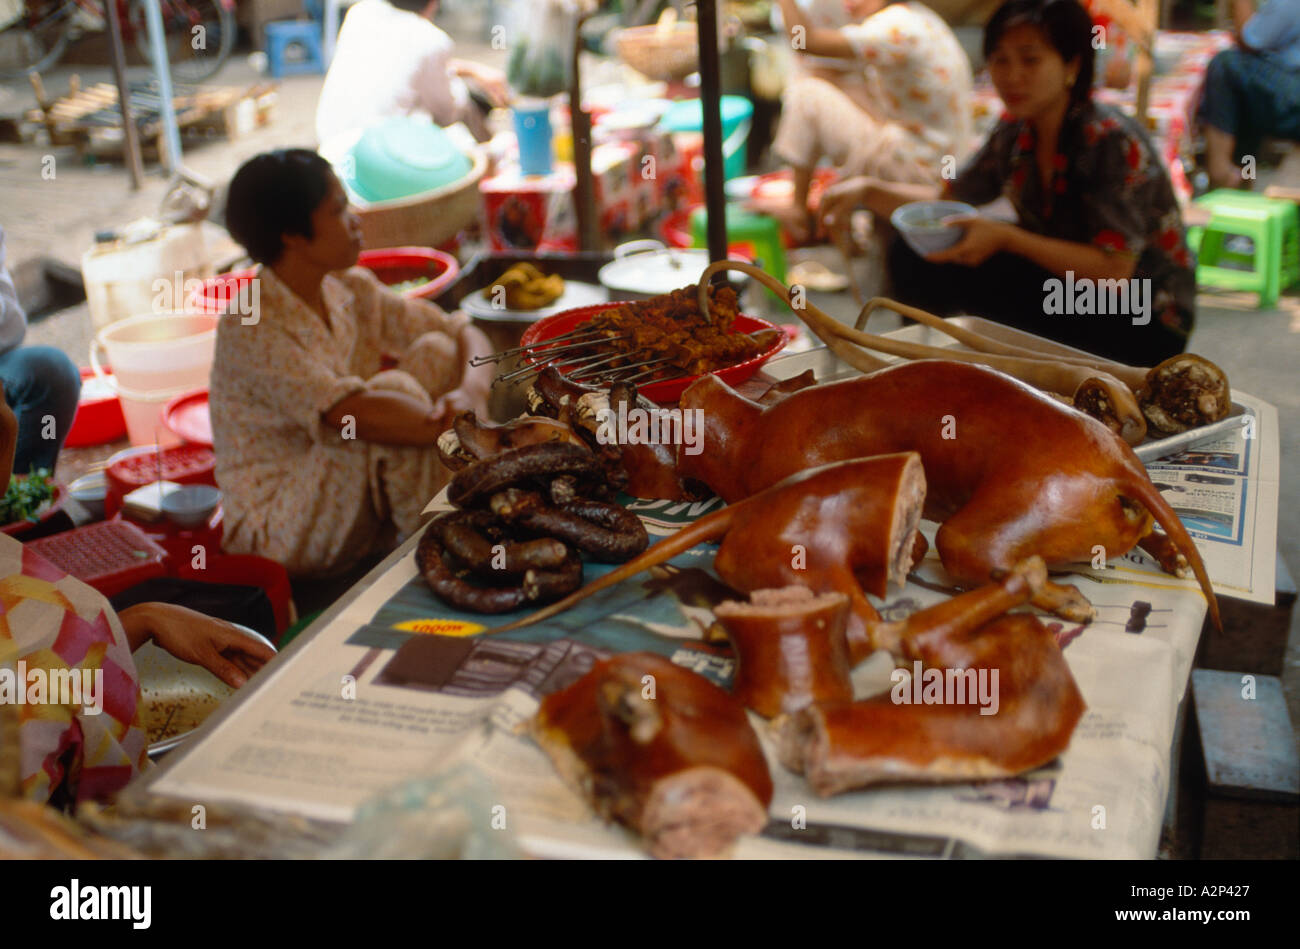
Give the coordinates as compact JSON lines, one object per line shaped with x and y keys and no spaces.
{"x":541,"y":40}
{"x":456,"y":814}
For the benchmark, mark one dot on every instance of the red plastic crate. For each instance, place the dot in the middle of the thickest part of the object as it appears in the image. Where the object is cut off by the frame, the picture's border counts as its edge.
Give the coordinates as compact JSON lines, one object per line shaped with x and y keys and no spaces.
{"x":246,"y":570}
{"x":110,"y":556}
{"x":184,"y":464}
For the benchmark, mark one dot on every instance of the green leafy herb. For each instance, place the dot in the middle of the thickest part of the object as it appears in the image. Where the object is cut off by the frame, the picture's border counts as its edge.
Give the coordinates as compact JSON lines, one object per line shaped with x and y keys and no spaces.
{"x":26,"y":496}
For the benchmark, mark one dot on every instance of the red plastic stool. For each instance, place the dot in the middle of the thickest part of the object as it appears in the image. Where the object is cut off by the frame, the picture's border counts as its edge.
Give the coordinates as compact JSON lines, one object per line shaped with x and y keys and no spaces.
{"x":249,"y":571}
{"x":110,"y":556}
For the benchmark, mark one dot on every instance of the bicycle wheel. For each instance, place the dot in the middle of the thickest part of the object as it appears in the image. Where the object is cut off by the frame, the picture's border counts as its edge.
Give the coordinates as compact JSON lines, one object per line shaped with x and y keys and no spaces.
{"x":199,"y":35}
{"x":37,"y":39}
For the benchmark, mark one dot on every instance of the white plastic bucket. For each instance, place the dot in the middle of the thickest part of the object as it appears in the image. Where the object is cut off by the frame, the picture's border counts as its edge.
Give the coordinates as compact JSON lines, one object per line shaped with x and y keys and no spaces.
{"x":154,"y":359}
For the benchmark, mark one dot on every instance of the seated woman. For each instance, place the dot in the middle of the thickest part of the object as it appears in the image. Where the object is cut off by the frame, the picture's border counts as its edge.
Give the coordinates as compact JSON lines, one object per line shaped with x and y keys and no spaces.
{"x":89,"y":748}
{"x":328,"y":401}
{"x":43,"y":384}
{"x":912,"y":110}
{"x":1098,"y":220}
{"x":1252,"y":91}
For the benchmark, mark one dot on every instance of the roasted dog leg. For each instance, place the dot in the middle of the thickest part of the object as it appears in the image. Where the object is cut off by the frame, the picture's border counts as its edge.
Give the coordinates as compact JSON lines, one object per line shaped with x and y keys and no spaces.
{"x":849,"y":529}
{"x":831,"y":529}
{"x":792,"y":652}
{"x":661,"y":750}
{"x":790,"y":649}
{"x":1024,"y":678}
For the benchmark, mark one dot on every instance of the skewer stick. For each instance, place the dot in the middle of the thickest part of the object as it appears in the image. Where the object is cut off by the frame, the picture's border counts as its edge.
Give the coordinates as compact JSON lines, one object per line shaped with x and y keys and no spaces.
{"x":652,"y":371}
{"x":587,"y":370}
{"x":497,"y":357}
{"x":537,"y":367}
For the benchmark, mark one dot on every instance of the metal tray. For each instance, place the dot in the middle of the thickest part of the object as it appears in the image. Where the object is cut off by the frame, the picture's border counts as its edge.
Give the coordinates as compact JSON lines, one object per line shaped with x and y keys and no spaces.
{"x":166,"y":679}
{"x":827,"y":367}
{"x":576,"y":294}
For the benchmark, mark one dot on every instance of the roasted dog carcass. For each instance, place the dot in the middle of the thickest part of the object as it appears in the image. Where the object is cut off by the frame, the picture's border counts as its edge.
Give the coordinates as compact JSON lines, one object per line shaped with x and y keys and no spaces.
{"x":660,"y":749}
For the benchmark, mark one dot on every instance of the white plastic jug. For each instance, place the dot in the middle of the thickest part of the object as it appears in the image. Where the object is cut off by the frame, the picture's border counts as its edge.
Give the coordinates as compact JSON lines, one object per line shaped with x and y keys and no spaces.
{"x":154,"y":359}
{"x":122,"y":276}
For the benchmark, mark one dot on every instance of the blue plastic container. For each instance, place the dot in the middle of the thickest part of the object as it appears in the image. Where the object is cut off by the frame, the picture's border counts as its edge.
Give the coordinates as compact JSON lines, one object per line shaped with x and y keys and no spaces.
{"x":403,"y":156}
{"x":533,"y":129}
{"x":737,"y":117}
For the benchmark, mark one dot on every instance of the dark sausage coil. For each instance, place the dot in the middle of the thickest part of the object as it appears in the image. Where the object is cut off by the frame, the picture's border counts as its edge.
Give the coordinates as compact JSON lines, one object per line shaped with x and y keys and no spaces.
{"x":476,"y":538}
{"x":546,"y":461}
{"x":607,"y":532}
{"x":459,"y":583}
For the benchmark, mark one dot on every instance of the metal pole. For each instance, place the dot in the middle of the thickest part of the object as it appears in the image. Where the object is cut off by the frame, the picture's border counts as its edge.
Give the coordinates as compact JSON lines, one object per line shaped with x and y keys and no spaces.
{"x":331,"y":28}
{"x":162,"y":69}
{"x":584,"y":190}
{"x":715,"y":199}
{"x":132,"y":141}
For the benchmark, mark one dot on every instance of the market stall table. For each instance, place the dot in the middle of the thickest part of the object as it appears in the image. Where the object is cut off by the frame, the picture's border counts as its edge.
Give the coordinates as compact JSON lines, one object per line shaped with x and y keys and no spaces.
{"x":367,"y":698}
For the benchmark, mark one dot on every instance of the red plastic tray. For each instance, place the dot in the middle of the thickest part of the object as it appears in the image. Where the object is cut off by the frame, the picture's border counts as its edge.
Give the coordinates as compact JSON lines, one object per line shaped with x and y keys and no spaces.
{"x":98,"y":420}
{"x":188,"y":418}
{"x":184,"y":464}
{"x":668,"y":391}
{"x":111,"y":556}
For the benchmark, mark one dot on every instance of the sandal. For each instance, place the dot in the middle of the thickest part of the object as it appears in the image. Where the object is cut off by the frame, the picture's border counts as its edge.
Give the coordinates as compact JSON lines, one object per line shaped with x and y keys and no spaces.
{"x":815,"y":275}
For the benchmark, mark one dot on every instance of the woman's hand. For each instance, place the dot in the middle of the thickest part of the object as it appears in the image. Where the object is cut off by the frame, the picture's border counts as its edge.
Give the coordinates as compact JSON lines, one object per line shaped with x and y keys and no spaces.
{"x":220,"y":647}
{"x":840,"y":200}
{"x":453,"y":403}
{"x":491,"y":81}
{"x":982,"y":239}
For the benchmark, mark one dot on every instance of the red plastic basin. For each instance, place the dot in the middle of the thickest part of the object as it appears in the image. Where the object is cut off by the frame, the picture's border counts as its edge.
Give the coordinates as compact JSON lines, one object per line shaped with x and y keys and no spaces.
{"x":397,"y":264}
{"x":99,"y":417}
{"x":188,"y":418}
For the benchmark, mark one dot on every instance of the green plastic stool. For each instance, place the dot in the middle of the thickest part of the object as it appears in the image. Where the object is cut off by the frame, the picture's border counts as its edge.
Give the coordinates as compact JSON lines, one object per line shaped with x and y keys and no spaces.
{"x":1273,"y":226}
{"x":760,"y":231}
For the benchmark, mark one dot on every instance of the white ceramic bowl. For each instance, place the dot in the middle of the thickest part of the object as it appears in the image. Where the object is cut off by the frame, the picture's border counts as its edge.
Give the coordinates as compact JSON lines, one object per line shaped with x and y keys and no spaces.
{"x":191,"y":505}
{"x":921,"y":224}
{"x":89,"y":491}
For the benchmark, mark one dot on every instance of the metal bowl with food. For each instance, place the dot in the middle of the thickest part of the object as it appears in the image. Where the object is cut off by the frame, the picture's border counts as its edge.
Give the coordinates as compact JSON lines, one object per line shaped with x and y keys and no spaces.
{"x":177,"y":696}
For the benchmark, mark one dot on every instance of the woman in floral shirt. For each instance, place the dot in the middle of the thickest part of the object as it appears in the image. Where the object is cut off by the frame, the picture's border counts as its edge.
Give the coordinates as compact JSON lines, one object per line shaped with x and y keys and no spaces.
{"x":1098,"y":258}
{"x":327,"y":402}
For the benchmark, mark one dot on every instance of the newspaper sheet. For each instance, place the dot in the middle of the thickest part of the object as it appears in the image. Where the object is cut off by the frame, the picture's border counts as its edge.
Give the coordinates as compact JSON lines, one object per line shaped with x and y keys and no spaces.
{"x":398,"y":685}
{"x":1225,"y":491}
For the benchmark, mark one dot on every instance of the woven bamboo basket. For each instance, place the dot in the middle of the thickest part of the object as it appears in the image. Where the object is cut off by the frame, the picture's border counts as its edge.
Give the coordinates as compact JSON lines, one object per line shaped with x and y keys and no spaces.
{"x":668,"y":57}
{"x":428,"y":219}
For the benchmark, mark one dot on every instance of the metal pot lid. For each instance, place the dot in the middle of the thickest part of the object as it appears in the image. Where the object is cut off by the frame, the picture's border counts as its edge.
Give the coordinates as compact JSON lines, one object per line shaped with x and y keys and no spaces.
{"x":651,"y":268}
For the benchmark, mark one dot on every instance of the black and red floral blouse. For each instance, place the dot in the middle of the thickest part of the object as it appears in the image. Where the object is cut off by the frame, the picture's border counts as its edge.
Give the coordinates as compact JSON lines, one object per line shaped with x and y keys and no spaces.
{"x":1108,"y":189}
